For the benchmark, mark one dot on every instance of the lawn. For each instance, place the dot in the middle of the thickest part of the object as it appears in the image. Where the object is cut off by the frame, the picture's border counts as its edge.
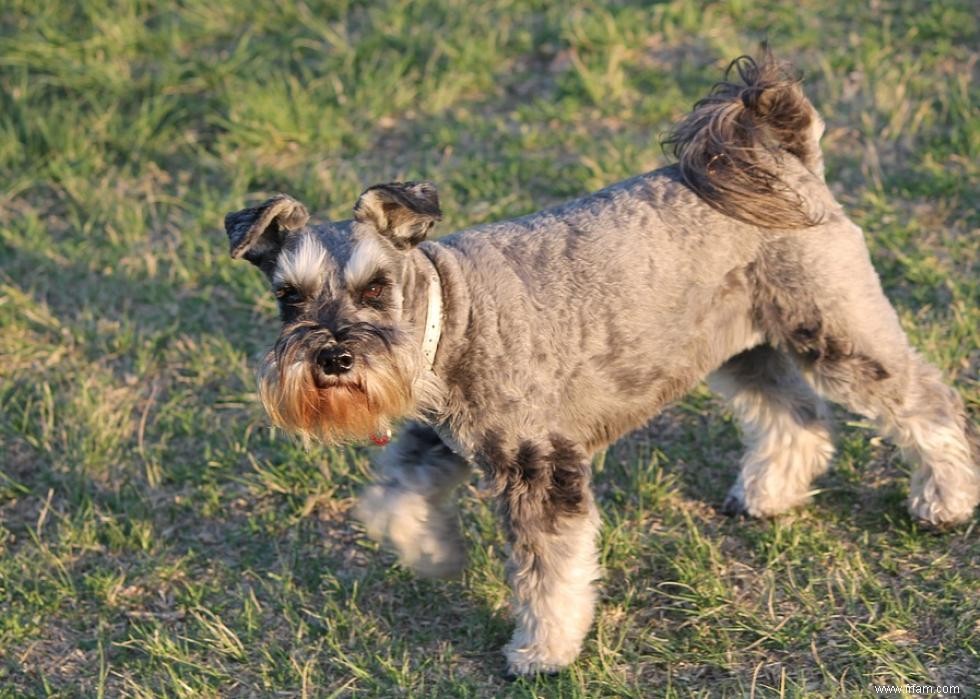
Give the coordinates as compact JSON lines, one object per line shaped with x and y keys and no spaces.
{"x":157,"y":538}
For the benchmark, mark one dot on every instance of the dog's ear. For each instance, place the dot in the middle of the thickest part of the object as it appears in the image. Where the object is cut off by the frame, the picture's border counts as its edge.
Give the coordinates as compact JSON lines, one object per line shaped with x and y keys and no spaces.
{"x":402,"y":212}
{"x":258,"y":233}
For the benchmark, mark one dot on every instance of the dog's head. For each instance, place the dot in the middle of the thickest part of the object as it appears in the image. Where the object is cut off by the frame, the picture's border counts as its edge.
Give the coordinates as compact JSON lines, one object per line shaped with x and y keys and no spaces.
{"x":348,"y":359}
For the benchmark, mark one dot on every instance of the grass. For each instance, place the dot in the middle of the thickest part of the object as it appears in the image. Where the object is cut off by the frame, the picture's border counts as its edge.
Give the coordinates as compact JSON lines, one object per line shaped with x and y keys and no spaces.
{"x":158,"y":539}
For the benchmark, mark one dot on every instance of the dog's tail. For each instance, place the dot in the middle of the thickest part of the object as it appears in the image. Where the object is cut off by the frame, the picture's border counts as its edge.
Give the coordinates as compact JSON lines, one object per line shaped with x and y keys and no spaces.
{"x":731,"y":147}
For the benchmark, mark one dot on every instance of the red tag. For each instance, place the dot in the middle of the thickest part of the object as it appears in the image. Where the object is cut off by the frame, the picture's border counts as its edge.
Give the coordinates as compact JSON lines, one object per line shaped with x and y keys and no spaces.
{"x":381,"y":440}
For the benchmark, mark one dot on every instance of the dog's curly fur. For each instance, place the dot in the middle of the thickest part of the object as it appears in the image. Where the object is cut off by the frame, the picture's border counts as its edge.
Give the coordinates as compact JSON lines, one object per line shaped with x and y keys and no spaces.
{"x":729,"y":147}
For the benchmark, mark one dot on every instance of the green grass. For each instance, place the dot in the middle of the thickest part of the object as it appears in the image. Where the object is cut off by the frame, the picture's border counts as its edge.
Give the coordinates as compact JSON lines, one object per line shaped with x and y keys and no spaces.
{"x":158,"y":539}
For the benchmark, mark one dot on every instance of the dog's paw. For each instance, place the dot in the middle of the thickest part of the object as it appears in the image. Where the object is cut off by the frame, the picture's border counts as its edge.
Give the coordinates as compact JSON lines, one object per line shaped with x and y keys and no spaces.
{"x":516,"y":672}
{"x":946,"y":503}
{"x":425,"y":536}
{"x":530,"y":668}
{"x":529,"y":660}
{"x":733,"y":505}
{"x":939,"y":515}
{"x":758,"y":505}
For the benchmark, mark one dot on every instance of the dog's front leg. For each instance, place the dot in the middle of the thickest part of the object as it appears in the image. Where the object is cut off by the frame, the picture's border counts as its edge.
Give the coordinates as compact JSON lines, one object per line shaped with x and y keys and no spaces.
{"x":553,"y":524}
{"x":410,"y":507}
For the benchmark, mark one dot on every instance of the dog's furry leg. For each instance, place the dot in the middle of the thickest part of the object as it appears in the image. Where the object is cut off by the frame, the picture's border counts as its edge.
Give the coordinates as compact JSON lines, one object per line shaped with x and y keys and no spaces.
{"x":849,"y":342}
{"x":924,"y":417}
{"x":784,"y":424}
{"x":932,"y":427}
{"x":410,"y":506}
{"x":553,"y":526}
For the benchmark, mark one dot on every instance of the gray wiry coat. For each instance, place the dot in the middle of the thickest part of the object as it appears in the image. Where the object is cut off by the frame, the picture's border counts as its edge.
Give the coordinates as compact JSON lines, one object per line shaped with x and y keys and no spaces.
{"x":566,"y":328}
{"x":587,"y":318}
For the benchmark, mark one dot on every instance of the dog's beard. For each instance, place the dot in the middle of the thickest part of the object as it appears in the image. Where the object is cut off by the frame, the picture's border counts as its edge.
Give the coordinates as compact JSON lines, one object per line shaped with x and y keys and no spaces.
{"x":364,"y":403}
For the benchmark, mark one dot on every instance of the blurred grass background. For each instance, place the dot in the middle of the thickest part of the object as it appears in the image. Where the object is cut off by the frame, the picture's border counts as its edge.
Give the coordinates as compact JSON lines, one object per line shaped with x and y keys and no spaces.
{"x":157,"y":539}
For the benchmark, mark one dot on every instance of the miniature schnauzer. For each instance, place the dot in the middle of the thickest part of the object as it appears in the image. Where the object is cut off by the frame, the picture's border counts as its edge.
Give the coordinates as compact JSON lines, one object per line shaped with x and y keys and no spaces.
{"x":525,"y":346}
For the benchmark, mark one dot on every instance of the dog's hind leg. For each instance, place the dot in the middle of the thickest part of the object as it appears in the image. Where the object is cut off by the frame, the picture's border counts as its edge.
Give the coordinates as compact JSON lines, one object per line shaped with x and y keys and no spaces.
{"x":410,"y":506}
{"x":553,"y":528}
{"x":784,"y":425}
{"x":912,"y":406}
{"x":850,"y":345}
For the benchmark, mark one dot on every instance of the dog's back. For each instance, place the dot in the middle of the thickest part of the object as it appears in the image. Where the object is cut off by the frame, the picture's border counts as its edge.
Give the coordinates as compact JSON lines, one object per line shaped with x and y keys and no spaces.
{"x":749,"y":168}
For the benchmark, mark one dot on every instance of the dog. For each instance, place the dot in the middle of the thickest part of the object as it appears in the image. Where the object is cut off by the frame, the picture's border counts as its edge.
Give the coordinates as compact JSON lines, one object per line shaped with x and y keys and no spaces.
{"x":523,"y":347}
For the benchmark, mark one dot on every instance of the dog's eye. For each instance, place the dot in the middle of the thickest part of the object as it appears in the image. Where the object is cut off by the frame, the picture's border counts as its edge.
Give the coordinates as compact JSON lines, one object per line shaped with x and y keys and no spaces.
{"x":288,"y":294}
{"x":372,"y":292}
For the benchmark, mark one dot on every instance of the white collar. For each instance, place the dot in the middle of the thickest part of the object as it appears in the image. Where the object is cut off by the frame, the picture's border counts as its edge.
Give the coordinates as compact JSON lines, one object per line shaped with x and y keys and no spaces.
{"x":433,"y":314}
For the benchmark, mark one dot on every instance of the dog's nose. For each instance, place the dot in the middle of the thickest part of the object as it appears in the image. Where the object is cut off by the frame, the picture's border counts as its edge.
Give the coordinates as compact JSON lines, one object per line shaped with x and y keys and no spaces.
{"x":335,"y":360}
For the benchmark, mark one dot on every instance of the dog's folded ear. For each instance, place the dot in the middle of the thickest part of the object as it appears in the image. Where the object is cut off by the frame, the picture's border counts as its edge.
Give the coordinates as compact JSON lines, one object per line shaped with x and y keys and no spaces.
{"x":258,"y":233}
{"x":402,"y":212}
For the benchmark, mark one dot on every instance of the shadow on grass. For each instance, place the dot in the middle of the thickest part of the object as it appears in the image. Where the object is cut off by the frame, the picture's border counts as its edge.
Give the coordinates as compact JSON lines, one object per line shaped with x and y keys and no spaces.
{"x":222,"y":521}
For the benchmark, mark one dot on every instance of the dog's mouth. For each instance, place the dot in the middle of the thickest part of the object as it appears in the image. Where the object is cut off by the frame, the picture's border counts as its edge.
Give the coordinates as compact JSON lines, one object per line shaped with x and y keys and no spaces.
{"x":326,"y":382}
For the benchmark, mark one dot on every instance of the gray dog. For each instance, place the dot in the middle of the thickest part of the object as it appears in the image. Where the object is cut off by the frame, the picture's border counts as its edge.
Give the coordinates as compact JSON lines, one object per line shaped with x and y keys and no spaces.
{"x":525,"y":346}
